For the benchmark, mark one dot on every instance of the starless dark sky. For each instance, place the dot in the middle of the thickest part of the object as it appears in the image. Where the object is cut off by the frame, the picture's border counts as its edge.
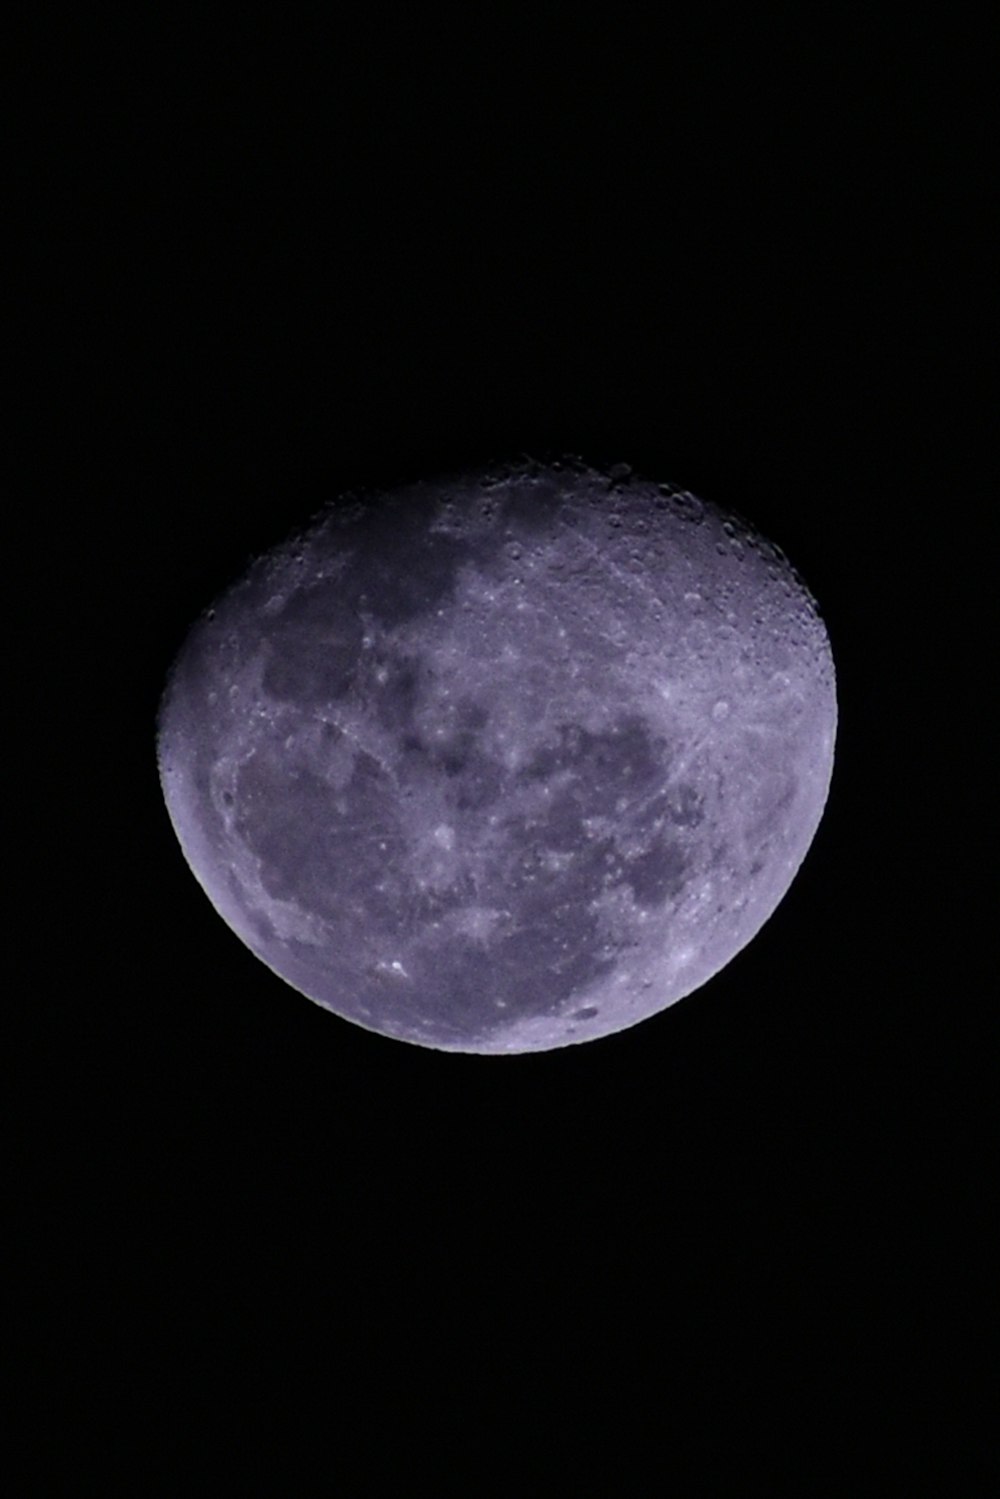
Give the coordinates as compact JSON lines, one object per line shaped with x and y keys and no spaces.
{"x":282,"y":260}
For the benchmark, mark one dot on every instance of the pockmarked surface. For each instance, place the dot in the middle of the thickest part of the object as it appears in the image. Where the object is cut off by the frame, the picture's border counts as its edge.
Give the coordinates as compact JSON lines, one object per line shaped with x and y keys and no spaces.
{"x":504,"y":761}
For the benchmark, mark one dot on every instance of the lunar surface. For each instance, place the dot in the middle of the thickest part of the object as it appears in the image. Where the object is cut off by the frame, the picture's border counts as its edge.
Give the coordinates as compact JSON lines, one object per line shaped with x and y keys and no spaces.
{"x":504,"y":761}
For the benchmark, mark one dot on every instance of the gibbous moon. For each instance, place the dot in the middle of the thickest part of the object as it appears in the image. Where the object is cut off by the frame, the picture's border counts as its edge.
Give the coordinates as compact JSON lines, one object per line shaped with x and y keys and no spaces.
{"x":505,"y":761}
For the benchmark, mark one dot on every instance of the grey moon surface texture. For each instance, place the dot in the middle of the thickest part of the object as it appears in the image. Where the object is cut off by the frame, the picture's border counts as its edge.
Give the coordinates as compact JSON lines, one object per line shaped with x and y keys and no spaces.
{"x":505,"y":761}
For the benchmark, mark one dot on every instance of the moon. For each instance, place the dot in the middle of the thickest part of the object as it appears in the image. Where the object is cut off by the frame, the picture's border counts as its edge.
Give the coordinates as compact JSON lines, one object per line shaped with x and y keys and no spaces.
{"x":504,"y":761}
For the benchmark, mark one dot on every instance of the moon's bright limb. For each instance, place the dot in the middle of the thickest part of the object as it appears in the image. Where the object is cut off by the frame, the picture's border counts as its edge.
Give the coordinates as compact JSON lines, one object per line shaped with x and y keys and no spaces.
{"x":505,"y":761}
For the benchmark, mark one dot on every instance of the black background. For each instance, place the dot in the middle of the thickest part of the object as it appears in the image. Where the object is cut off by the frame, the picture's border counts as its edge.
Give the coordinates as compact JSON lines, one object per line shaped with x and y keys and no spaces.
{"x":743,"y":254}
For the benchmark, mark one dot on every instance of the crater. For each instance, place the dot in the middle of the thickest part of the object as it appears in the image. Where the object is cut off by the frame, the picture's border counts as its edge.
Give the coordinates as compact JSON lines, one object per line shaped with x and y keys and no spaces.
{"x":685,"y":807}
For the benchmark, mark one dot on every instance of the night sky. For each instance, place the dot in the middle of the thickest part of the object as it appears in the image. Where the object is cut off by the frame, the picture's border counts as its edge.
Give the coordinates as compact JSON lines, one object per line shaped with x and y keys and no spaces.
{"x":279,"y":261}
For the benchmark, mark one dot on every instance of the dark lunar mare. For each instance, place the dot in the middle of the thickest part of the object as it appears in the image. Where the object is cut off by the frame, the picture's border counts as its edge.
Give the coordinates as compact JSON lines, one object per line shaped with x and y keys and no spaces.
{"x":399,"y":568}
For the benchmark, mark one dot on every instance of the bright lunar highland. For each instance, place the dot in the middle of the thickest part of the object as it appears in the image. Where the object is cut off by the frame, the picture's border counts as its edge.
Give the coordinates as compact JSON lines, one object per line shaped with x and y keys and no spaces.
{"x":504,"y":761}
